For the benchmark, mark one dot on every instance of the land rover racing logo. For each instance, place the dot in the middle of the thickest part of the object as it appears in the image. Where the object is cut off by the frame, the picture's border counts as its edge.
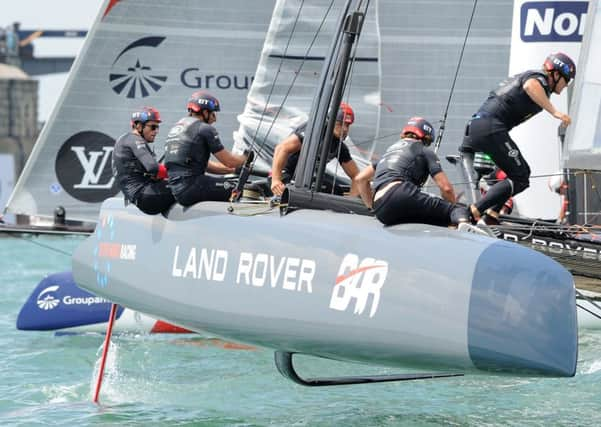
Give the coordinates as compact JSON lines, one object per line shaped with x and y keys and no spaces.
{"x":83,"y":167}
{"x":359,"y":280}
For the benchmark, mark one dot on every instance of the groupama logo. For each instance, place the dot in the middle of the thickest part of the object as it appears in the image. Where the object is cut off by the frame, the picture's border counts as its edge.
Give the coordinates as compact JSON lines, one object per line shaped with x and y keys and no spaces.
{"x":553,"y":21}
{"x":131,"y":77}
{"x":47,"y":301}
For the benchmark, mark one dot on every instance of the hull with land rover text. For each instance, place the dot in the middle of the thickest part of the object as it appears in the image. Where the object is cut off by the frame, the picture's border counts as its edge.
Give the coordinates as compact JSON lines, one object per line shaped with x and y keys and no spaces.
{"x":338,"y":286}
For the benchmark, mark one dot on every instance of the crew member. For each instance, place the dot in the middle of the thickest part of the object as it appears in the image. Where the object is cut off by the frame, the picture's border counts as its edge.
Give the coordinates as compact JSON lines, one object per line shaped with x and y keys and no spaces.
{"x":140,"y":177}
{"x":287,"y":152}
{"x":515,"y":100}
{"x":189,"y":145}
{"x":399,"y":175}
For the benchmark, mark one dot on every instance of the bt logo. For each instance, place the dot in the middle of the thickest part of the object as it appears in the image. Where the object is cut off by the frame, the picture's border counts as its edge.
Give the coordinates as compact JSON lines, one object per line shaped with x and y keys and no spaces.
{"x":359,"y":280}
{"x":553,"y":21}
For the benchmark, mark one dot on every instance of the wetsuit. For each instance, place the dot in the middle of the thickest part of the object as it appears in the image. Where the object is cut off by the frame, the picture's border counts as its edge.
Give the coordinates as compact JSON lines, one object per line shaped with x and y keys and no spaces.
{"x":189,"y":145}
{"x":338,"y":149}
{"x":135,"y":166}
{"x":488,"y":131}
{"x":410,"y":162}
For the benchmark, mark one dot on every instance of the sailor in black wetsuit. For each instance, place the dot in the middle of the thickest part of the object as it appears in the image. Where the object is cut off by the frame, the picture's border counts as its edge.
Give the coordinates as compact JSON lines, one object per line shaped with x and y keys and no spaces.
{"x":140,"y":177}
{"x":189,"y":145}
{"x":287,"y":152}
{"x":516,"y":100}
{"x":399,"y":175}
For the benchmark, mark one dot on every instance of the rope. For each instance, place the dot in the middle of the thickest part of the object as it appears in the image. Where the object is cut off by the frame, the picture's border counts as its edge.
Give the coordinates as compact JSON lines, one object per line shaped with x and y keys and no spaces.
{"x":591,"y":301}
{"x":252,"y":210}
{"x":446,"y":111}
{"x":495,"y":180}
{"x":275,"y":80}
{"x":589,"y":311}
{"x":51,"y":248}
{"x":297,"y":73}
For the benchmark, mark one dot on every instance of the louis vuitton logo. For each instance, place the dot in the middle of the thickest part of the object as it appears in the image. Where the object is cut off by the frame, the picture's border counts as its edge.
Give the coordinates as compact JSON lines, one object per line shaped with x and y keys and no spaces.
{"x":93,"y":165}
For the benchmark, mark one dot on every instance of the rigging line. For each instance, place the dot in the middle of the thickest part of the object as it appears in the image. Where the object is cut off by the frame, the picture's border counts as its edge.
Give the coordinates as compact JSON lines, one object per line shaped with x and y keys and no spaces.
{"x":349,"y":82}
{"x":277,"y":75}
{"x":255,"y":212}
{"x":590,"y":300}
{"x":589,"y":311}
{"x":446,"y":111}
{"x":549,"y":227}
{"x":51,"y":248}
{"x":293,"y":82}
{"x":593,"y":186}
{"x":255,"y":208}
{"x":497,"y":180}
{"x":367,"y":141}
{"x":589,"y":173}
{"x":557,"y":230}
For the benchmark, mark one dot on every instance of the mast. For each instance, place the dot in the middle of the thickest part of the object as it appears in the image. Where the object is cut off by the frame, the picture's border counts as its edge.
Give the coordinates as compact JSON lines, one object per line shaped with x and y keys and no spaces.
{"x":352,"y":27}
{"x":327,"y":99}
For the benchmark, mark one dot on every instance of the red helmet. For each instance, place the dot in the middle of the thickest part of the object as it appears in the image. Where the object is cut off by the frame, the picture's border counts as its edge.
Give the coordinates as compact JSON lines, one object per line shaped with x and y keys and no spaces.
{"x":562,"y":63}
{"x":345,"y":114}
{"x":202,"y":100}
{"x":146,"y":114}
{"x":420,"y":127}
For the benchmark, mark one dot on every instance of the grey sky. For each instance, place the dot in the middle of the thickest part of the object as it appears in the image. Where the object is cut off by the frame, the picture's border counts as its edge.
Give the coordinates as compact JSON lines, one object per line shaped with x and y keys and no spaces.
{"x":52,"y":14}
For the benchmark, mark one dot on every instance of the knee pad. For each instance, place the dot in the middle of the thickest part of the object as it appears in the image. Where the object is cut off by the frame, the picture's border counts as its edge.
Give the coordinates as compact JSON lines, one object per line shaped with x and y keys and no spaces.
{"x":519,"y":185}
{"x":459,"y":214}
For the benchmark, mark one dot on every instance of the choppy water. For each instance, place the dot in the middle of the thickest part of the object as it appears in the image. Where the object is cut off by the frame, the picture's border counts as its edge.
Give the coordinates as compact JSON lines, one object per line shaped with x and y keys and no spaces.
{"x":190,"y":380}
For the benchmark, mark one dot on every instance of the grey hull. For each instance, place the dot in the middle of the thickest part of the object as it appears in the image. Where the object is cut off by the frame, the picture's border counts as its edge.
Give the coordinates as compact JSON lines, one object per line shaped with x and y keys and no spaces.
{"x":338,"y":286}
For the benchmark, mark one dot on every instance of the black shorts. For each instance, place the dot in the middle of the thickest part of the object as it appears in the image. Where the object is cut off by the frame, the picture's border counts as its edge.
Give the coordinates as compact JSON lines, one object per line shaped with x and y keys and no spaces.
{"x":492,"y":137}
{"x":405,"y":203}
{"x":154,"y":198}
{"x":189,"y":190}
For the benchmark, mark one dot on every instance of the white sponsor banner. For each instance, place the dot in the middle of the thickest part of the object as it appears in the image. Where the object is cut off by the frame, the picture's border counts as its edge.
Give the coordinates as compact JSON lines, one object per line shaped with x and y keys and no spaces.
{"x":539,"y":28}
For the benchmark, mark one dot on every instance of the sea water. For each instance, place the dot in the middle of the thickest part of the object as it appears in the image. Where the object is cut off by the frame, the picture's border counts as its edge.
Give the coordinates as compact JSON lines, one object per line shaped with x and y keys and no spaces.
{"x":166,"y":380}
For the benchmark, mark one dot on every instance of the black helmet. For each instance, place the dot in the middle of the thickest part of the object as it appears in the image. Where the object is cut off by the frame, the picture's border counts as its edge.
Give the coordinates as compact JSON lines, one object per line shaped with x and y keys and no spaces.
{"x":202,"y":100}
{"x":562,"y":63}
{"x":420,"y":127}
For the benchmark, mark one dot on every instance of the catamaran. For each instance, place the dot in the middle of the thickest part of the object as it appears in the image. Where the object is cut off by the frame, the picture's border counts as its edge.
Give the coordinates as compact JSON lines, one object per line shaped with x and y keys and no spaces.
{"x":377,"y":96}
{"x":315,"y":273}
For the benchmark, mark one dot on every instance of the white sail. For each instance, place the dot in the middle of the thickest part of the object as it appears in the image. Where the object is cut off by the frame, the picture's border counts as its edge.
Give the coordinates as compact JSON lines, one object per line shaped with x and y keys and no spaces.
{"x":287,"y":75}
{"x":138,"y":52}
{"x":407,"y":56}
{"x":583,"y":138}
{"x":582,"y":149}
{"x":540,"y":28}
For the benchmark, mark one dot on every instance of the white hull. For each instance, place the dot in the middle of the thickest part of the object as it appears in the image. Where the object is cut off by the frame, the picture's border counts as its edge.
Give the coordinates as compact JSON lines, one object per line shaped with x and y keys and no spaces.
{"x":129,"y":322}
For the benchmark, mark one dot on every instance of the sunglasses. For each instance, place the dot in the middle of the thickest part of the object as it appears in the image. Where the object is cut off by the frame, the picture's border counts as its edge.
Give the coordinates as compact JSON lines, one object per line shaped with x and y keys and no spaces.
{"x":153,"y":127}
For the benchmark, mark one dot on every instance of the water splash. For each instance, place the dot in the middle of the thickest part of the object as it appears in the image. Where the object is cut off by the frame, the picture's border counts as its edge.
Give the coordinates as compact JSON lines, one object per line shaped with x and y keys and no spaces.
{"x":111,"y":371}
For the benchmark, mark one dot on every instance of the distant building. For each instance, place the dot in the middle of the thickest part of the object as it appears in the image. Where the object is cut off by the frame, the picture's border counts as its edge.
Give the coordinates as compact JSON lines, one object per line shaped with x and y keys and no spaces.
{"x":10,"y":44}
{"x":18,"y":114}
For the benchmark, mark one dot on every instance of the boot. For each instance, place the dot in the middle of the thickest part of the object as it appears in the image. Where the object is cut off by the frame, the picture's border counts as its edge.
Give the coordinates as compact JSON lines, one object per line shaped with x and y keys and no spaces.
{"x":475,"y":214}
{"x":490,"y":218}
